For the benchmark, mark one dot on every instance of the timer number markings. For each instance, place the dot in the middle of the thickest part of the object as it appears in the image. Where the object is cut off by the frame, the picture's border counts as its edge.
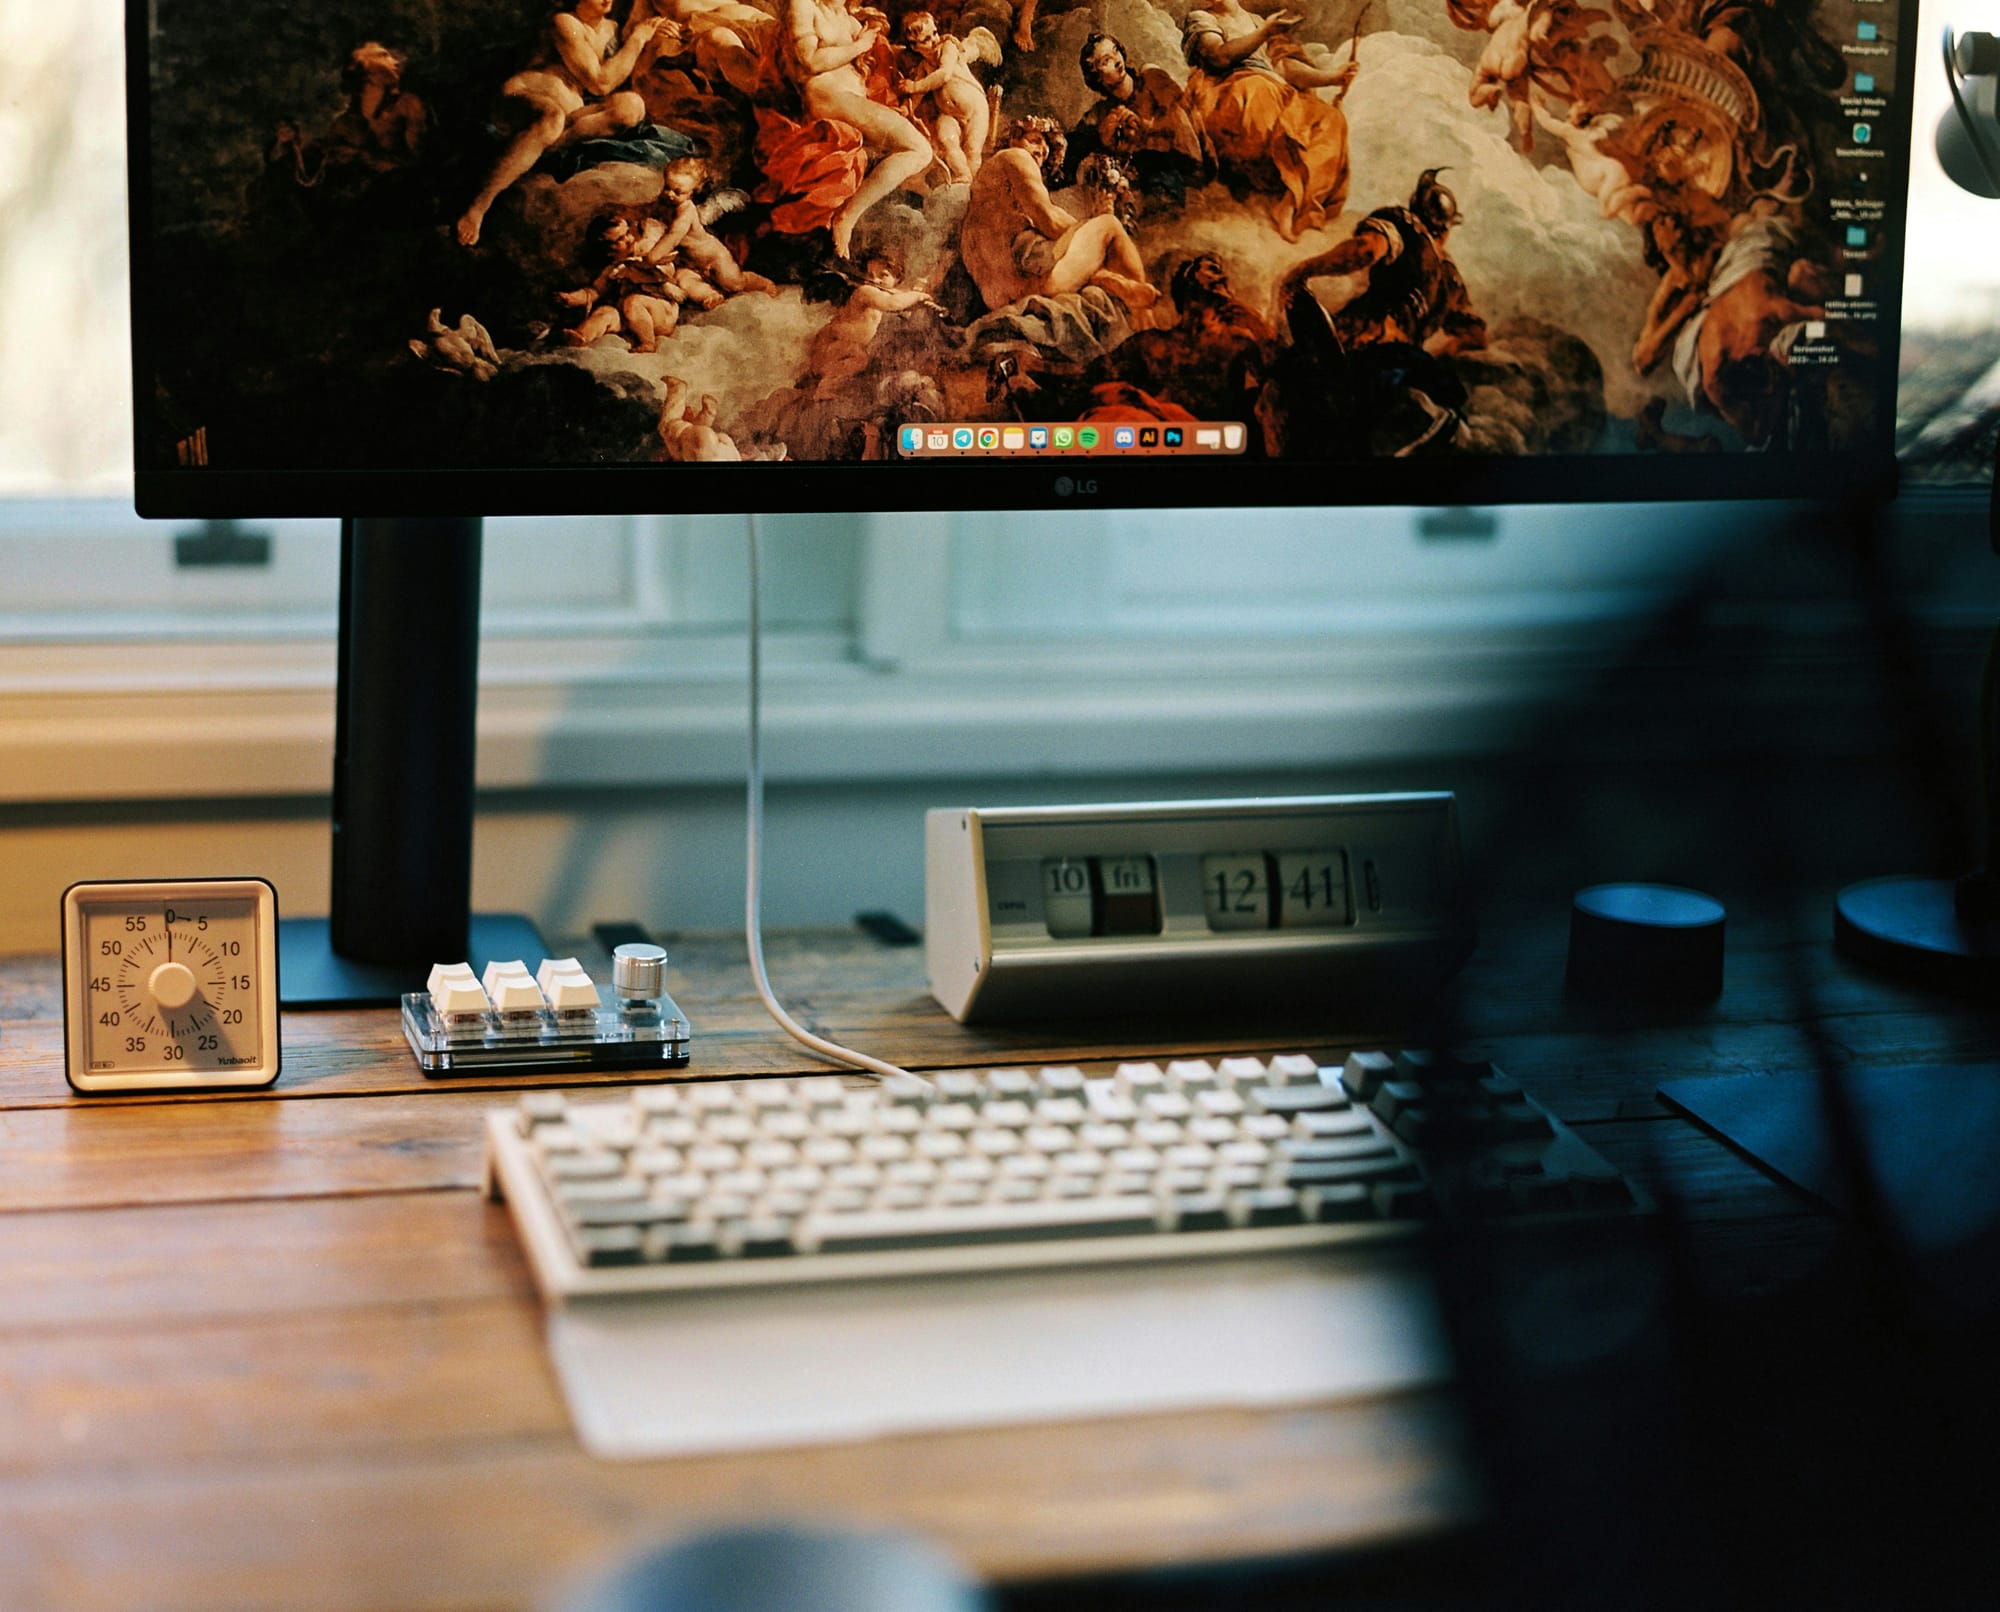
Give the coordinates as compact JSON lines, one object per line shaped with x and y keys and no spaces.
{"x":137,"y":949}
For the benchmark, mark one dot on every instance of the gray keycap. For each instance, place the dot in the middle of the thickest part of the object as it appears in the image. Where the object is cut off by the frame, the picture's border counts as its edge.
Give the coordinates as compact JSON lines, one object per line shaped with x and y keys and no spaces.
{"x":1364,"y":1072}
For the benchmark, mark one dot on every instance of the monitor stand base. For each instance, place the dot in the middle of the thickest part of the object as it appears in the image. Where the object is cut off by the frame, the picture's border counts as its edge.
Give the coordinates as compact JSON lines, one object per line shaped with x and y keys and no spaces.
{"x":312,"y":975}
{"x":1914,"y":927}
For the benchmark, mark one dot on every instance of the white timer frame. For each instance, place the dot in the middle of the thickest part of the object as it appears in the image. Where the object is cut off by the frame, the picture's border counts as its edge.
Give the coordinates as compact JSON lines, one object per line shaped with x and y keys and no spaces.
{"x":79,"y":897}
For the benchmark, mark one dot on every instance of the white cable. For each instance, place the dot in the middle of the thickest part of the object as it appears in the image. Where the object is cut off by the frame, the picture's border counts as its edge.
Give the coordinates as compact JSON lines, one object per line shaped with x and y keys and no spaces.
{"x":754,"y":879}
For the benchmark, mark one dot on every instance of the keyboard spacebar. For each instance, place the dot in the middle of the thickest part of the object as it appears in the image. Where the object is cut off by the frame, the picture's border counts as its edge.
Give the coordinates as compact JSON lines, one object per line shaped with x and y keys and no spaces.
{"x":979,"y":1223}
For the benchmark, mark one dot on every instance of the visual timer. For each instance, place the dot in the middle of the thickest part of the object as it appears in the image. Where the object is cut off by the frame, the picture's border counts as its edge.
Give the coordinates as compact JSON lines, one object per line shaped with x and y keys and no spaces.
{"x":170,"y":984}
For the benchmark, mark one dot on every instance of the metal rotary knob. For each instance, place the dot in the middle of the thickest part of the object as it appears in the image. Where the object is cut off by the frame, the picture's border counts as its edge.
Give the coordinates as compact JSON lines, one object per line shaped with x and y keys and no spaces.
{"x":639,"y":971}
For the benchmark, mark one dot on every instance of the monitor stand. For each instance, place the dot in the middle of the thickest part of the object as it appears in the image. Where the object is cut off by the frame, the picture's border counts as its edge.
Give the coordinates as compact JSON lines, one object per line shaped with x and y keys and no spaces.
{"x":1943,"y":932}
{"x":403,"y":743}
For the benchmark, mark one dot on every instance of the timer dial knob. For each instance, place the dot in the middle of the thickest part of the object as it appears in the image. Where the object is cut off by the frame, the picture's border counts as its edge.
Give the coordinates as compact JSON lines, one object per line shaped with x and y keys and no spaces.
{"x":173,"y":986}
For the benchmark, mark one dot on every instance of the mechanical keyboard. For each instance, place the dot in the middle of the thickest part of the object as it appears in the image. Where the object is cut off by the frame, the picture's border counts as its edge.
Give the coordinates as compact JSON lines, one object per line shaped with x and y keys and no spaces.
{"x":773,"y":1180}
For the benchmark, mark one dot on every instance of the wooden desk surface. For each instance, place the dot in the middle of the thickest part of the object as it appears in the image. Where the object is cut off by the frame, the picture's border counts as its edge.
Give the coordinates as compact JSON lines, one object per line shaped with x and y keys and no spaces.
{"x":276,"y":1350}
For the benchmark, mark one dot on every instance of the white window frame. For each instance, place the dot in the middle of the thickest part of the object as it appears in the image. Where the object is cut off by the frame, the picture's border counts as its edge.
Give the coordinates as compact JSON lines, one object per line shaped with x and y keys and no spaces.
{"x":1442,"y":667}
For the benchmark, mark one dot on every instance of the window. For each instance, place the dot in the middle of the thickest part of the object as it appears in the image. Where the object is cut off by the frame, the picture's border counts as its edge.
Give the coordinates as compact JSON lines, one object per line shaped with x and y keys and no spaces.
{"x":902,"y":643}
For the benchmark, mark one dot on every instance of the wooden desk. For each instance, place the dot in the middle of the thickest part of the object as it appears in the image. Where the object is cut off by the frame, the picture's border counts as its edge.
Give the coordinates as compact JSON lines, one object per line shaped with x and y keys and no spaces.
{"x":275,"y":1350}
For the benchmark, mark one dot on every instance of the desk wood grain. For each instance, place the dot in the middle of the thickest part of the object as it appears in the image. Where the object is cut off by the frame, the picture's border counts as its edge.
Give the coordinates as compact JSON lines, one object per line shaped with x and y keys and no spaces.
{"x":274,"y":1349}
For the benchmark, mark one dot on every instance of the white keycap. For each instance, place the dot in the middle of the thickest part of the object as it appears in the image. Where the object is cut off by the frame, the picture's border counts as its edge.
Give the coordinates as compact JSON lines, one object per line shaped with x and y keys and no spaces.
{"x":674,"y":1130}
{"x":565,"y":986}
{"x":1049,"y":1138}
{"x":1103,"y":1137}
{"x":1294,"y":1069}
{"x":1243,"y":1072}
{"x":713,"y":1158}
{"x":901,"y":1198}
{"x":881,"y":1149}
{"x":1166,"y":1105}
{"x":989,"y":1222}
{"x":1015,"y":1083}
{"x":540,"y":1108}
{"x":1007,"y":1114}
{"x":940,"y":1145}
{"x":841,"y":1200}
{"x":1113,"y":1107}
{"x":770,"y":1154}
{"x":1225,"y":1104}
{"x":512,"y":989}
{"x":1191,"y":1074}
{"x":1137,"y":1079}
{"x":1060,"y":1111}
{"x":1024,"y":1166}
{"x":1061,"y":1080}
{"x":456,"y":991}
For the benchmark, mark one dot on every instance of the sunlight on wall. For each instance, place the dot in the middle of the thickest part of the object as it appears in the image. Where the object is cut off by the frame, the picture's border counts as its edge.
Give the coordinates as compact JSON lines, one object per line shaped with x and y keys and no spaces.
{"x":65,"y":389}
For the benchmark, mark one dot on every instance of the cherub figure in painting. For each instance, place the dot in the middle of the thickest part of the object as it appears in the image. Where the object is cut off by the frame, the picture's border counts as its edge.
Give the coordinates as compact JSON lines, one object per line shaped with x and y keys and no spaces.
{"x":841,"y":349}
{"x":631,"y":291}
{"x":961,"y":117}
{"x":683,"y":235}
{"x":688,"y":434}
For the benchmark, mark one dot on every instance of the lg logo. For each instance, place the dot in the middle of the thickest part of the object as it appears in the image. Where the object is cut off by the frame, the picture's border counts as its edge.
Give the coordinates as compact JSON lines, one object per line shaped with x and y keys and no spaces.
{"x":1070,"y":487}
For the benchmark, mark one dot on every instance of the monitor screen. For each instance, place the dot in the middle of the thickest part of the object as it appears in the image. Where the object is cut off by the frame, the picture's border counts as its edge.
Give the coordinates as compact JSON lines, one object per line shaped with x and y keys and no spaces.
{"x":483,"y":256}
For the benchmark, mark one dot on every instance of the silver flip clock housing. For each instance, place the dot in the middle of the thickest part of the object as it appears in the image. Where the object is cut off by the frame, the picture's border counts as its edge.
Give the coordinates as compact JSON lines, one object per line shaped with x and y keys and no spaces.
{"x":992,"y":954}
